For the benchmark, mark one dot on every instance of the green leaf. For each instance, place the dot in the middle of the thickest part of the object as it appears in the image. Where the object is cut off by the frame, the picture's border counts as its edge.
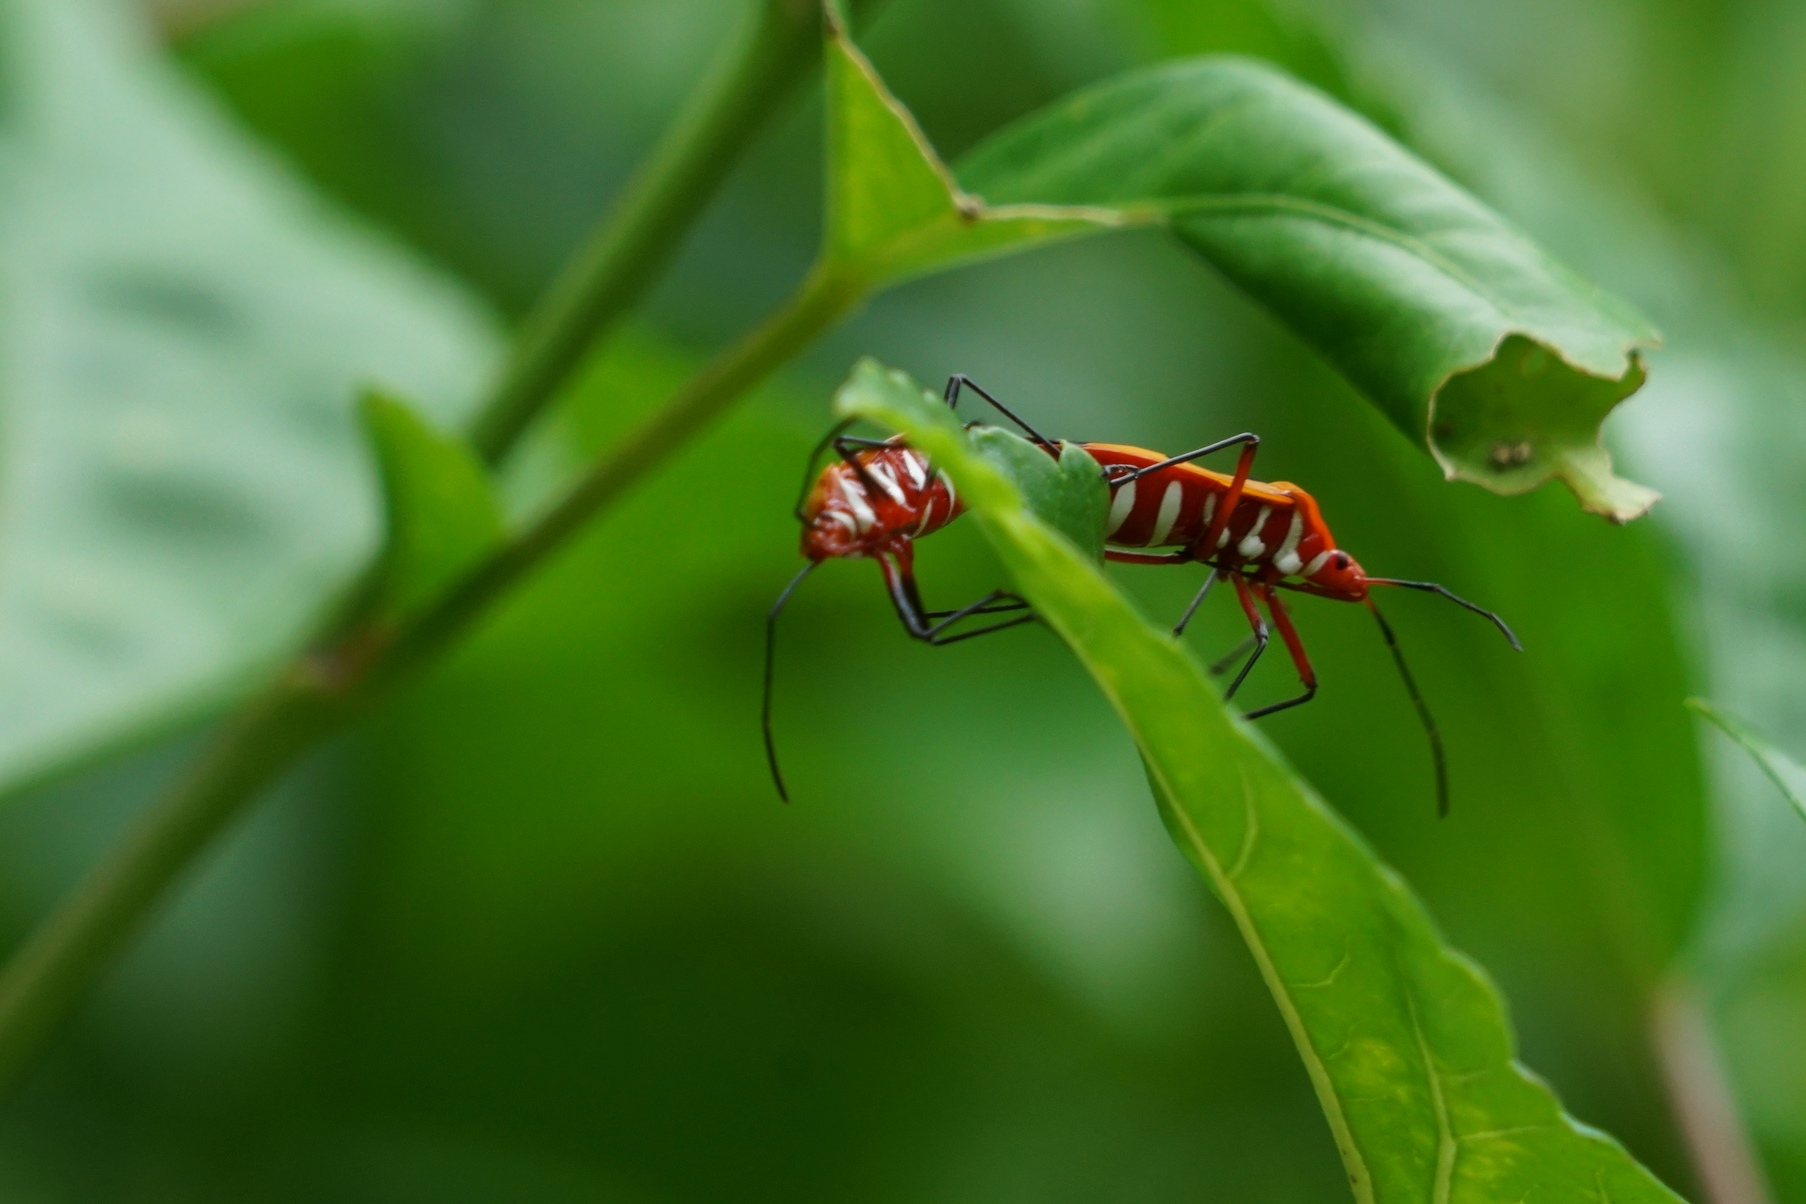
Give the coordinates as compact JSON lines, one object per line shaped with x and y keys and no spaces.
{"x":1476,"y":343}
{"x":1405,"y":1041}
{"x":1780,"y":768}
{"x":186,"y":329}
{"x":442,"y":514}
{"x":893,"y":208}
{"x":1067,"y":495}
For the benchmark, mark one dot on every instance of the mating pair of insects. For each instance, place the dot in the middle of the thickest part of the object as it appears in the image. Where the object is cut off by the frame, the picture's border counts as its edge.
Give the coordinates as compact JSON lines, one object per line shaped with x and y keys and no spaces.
{"x":881,"y":495}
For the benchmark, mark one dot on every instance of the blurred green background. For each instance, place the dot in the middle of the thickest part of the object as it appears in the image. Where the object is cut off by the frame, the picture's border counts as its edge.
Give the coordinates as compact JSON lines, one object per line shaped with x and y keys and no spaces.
{"x":541,"y":932}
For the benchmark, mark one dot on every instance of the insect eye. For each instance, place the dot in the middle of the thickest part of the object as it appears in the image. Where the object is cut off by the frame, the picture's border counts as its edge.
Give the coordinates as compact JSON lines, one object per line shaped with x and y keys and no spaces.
{"x":1341,"y":560}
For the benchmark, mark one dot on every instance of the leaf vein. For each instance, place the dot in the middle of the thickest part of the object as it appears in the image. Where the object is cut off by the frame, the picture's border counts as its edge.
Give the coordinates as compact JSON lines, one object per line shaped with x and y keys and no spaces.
{"x":1446,"y":1146}
{"x":1331,"y":214}
{"x":1250,"y":827}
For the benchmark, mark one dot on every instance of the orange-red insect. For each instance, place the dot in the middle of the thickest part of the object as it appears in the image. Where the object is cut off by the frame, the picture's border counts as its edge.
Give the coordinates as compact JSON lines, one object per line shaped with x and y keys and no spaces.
{"x":1262,"y":538}
{"x":873,"y":503}
{"x":880,"y":496}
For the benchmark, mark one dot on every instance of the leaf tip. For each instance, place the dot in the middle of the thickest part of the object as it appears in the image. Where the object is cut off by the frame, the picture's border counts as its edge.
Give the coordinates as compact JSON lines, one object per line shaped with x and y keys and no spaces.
{"x":1527,"y":413}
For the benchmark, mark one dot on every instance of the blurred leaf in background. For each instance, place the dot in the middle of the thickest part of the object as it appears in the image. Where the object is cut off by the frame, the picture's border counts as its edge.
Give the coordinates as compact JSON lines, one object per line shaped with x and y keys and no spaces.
{"x":185,"y":328}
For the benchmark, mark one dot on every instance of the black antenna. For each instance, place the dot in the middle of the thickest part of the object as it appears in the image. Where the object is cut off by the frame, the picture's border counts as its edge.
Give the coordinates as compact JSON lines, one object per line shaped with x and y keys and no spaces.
{"x":1423,"y":710}
{"x":771,"y":638}
{"x":1432,"y":587}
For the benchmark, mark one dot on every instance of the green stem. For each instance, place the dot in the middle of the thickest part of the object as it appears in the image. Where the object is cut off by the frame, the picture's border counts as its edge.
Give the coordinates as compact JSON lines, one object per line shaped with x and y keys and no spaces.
{"x":822,"y":300}
{"x":327,"y":687}
{"x":355,"y":661}
{"x":640,"y":234}
{"x":56,"y":965}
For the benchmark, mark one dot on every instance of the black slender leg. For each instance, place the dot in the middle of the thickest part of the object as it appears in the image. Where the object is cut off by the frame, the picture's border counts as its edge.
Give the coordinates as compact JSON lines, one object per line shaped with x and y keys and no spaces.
{"x":832,"y":437}
{"x":1000,"y":608}
{"x":1246,"y":437}
{"x":908,"y":603}
{"x":1255,"y":622}
{"x":848,"y":448}
{"x":1185,"y":619}
{"x":1260,"y":646}
{"x":1225,"y":662}
{"x":936,"y":634}
{"x":960,"y":380}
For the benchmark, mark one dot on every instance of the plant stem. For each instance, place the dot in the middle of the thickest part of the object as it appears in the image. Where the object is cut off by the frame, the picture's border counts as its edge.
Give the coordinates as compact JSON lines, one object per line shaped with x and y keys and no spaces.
{"x":822,"y":299}
{"x":641,"y":232}
{"x":356,"y":661}
{"x":354,"y":668}
{"x":1699,"y":1091}
{"x":56,"y":965}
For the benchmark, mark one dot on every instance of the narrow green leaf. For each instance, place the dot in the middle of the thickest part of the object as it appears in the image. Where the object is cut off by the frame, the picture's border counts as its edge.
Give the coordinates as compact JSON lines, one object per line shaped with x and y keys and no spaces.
{"x":1406,"y":1042}
{"x":186,"y":327}
{"x":1495,"y":358}
{"x":1780,"y":768}
{"x":442,"y":514}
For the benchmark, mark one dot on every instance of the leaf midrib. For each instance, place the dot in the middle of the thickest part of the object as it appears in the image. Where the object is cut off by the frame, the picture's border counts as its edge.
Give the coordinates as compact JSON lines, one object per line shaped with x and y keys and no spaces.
{"x":1301,"y":1035}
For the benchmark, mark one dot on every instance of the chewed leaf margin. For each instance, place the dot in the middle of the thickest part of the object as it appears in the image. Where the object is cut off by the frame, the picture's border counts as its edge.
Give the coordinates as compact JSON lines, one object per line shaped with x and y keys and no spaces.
{"x":1476,"y":343}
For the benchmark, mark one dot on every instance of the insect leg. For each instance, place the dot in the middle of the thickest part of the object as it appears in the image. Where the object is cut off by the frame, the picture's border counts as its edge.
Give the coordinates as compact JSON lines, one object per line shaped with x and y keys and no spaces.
{"x":1294,"y":645}
{"x":1185,"y":619}
{"x":771,"y":642}
{"x":1248,"y":439}
{"x":832,"y":436}
{"x":899,"y":578}
{"x":960,"y":379}
{"x":1250,"y":443}
{"x":1122,"y":556}
{"x":848,"y":448}
{"x":1259,"y":625}
{"x":983,"y":606}
{"x":1222,"y":664}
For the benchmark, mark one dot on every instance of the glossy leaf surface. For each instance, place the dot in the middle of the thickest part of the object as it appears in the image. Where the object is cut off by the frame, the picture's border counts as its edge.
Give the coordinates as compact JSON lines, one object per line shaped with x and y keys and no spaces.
{"x":1405,"y":1041}
{"x":186,"y":331}
{"x":1473,"y":340}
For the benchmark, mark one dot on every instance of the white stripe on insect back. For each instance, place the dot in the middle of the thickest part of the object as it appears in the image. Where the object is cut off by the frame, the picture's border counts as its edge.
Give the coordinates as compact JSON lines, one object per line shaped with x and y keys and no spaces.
{"x":853,"y":493}
{"x":1251,"y":545}
{"x":1210,"y":511}
{"x":1121,"y":506}
{"x":1286,"y":559}
{"x":927,"y":515}
{"x":1171,"y":502}
{"x":887,"y":481}
{"x":917,"y":464}
{"x":1317,"y":562}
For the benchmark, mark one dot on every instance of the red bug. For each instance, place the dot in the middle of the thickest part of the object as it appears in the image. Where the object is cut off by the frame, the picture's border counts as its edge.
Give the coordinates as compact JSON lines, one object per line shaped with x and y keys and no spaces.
{"x":874,"y":502}
{"x":1260,"y":537}
{"x":881,"y":496}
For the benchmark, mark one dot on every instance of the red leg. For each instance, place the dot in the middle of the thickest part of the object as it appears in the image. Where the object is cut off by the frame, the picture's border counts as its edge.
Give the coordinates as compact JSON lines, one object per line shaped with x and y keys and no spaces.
{"x":1219,"y":523}
{"x":1294,"y":645}
{"x":1259,"y":625}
